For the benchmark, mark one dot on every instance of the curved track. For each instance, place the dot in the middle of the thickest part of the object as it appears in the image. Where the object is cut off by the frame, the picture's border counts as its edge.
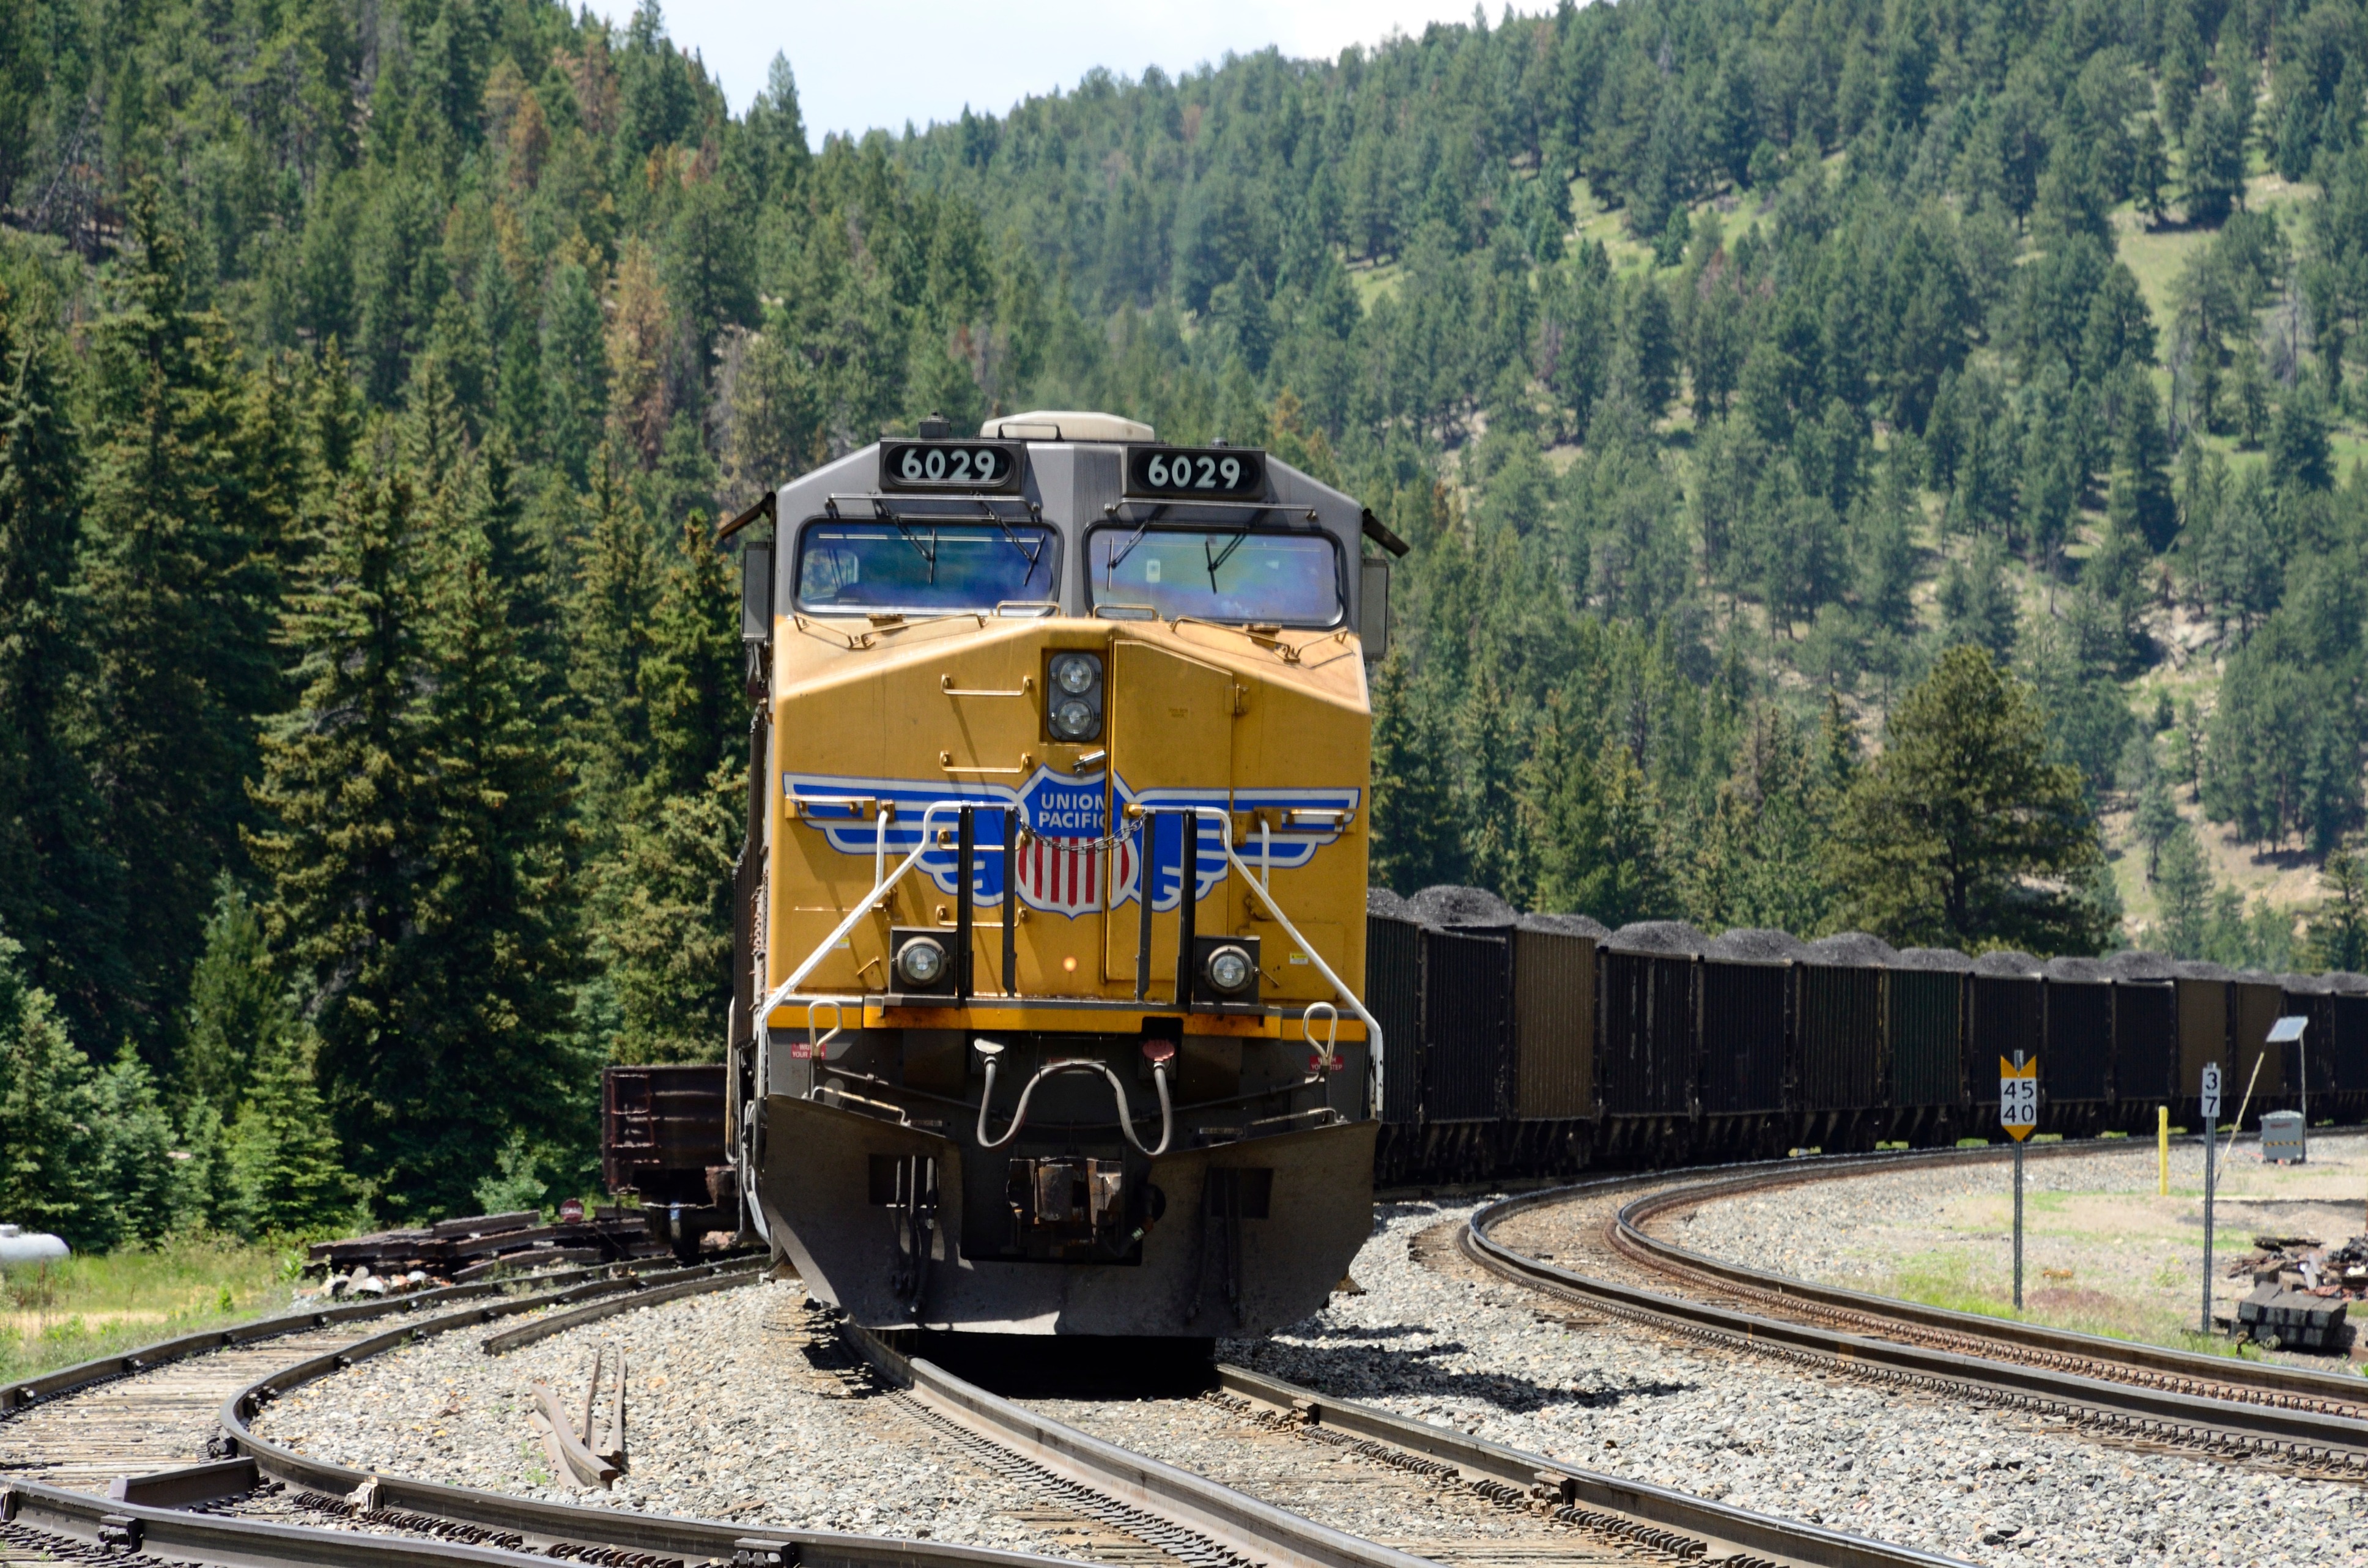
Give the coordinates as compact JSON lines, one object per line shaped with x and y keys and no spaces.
{"x":148,"y":1411}
{"x":2315,"y":1423}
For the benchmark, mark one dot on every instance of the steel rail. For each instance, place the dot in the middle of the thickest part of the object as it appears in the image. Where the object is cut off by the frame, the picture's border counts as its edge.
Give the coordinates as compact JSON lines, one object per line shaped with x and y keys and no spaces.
{"x":1650,"y":1513}
{"x":1653,"y":1518}
{"x":1233,"y":1521}
{"x":2147,"y":1410}
{"x":2259,"y":1381}
{"x":23,"y":1395}
{"x":520,"y":1526}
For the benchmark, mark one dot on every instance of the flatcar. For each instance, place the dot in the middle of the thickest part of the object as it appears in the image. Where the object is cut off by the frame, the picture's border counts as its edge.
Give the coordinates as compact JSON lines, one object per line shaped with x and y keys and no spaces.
{"x":1050,"y":953}
{"x":1541,"y":1045}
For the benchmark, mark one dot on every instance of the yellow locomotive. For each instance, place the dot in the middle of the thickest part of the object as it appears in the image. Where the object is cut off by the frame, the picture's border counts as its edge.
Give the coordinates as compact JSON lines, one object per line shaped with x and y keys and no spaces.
{"x":1050,"y":936}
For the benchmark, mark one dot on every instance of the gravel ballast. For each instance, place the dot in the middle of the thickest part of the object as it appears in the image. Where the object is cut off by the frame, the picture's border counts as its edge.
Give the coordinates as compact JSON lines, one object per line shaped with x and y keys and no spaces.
{"x":1442,"y":1343}
{"x":2102,"y":1251}
{"x":727,"y":1417}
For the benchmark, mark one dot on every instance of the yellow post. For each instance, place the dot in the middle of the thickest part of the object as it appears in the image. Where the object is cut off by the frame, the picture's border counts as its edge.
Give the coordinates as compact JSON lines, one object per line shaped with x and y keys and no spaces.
{"x":2162,"y":1151}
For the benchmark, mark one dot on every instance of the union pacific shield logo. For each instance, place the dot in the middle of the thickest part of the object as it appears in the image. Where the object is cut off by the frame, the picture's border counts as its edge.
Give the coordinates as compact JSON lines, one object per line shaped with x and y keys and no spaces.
{"x":1057,"y":873}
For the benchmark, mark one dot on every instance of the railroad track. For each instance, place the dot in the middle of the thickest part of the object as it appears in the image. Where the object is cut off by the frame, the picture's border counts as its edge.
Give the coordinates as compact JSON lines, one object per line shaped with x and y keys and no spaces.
{"x":2313,"y":1423}
{"x":228,"y":1495}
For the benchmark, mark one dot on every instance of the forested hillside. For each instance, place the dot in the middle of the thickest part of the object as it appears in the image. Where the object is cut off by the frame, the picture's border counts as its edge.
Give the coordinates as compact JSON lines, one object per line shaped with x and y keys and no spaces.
{"x":372,"y":373}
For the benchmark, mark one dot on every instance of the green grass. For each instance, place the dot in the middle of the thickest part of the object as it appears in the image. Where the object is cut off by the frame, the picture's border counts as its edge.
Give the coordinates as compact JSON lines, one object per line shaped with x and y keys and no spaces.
{"x":85,"y":1307}
{"x":1947,"y":1281}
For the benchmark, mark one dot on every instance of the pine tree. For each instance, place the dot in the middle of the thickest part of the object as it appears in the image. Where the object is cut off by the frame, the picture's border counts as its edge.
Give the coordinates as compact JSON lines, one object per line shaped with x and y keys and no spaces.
{"x":485,"y":1028}
{"x":1415,"y":839}
{"x":2339,"y":926}
{"x":342,"y":786}
{"x":47,"y":1144}
{"x":667,"y":896}
{"x":59,"y":890}
{"x":175,"y":566}
{"x":236,"y":1007}
{"x":2156,"y":820}
{"x":281,"y":1151}
{"x":1962,"y":831}
{"x":616,"y":594}
{"x":134,"y":1181}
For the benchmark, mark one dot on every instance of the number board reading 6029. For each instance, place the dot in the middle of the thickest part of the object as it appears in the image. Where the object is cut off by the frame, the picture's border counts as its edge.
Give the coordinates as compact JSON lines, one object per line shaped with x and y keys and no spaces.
{"x":971,"y":467}
{"x":1184,"y":474}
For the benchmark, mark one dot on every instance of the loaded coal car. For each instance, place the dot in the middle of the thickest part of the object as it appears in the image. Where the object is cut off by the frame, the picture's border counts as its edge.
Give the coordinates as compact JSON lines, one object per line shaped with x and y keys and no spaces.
{"x":2008,"y":1012}
{"x":2345,"y":1048}
{"x":1648,"y":980}
{"x":1840,"y":1089}
{"x":2076,"y":1056}
{"x":2145,"y":1037}
{"x":1051,"y":959}
{"x":1554,"y":959}
{"x":1466,"y":1028}
{"x":1746,"y":982}
{"x":2204,"y":1032}
{"x":1927,"y":999}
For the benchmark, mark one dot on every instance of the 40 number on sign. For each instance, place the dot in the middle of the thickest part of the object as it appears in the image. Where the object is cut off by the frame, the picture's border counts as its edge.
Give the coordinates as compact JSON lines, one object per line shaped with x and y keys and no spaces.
{"x":2017,"y":1097}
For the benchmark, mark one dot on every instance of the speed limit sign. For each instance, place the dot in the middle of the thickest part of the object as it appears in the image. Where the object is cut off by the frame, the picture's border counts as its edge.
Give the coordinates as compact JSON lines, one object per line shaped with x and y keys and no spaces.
{"x":2018,"y":1095}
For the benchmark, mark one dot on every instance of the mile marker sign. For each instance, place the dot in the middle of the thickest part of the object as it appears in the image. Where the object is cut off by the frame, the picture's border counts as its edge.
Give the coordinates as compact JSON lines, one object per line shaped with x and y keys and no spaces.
{"x":2019,"y":1096}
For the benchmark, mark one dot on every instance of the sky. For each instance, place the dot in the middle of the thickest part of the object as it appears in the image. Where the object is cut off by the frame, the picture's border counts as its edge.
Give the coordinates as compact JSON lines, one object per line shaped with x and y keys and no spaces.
{"x":860,"y":65}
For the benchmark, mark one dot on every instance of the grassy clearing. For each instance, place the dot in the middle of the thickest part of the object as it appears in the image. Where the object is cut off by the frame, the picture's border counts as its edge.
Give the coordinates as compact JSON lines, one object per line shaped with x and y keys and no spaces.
{"x":1952,"y":1281}
{"x":85,"y":1307}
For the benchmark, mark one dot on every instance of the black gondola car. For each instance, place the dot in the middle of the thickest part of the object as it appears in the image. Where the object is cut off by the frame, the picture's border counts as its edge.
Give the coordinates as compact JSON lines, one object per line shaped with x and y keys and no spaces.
{"x":1526,"y":1045}
{"x":1646,"y":1065}
{"x":2008,"y":1015}
{"x":2145,"y":1036}
{"x":2076,"y":1055}
{"x":1467,"y":1025}
{"x":1746,"y":1013}
{"x":1924,"y":1019}
{"x":1394,"y":991}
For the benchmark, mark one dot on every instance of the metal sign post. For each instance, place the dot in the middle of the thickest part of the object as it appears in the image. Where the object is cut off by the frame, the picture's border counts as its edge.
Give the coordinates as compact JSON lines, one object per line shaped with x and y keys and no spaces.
{"x":2211,"y":1140}
{"x":2018,"y":1113}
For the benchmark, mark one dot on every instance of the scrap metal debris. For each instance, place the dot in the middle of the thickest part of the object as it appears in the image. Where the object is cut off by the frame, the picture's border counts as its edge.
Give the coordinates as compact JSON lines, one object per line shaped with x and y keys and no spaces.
{"x":454,"y":1252}
{"x":2302,"y":1293}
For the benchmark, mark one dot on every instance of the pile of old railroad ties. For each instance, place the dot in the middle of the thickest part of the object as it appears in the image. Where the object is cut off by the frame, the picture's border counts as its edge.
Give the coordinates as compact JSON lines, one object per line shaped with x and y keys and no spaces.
{"x":459,"y":1252}
{"x":2303,"y":1289}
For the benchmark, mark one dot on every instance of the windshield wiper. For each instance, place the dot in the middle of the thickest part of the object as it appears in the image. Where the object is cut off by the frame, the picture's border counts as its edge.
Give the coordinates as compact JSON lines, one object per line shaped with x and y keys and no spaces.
{"x":1219,"y":559}
{"x":927,"y":552}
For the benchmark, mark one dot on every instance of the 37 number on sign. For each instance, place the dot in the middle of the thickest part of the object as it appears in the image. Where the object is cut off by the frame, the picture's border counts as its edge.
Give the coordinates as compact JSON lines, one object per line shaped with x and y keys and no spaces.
{"x":2018,"y":1097}
{"x":2211,"y":1092}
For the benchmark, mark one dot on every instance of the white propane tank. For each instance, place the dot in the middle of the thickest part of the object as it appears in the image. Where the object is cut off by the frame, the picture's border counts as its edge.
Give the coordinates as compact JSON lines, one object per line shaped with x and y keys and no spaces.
{"x":21,"y":1248}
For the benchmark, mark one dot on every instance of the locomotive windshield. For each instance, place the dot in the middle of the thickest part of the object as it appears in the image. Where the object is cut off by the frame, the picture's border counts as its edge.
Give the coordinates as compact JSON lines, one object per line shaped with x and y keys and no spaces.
{"x":1215,"y":574}
{"x":922,"y":565}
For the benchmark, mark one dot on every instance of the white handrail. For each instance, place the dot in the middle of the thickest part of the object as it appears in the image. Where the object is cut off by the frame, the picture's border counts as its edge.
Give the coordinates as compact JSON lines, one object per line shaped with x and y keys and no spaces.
{"x":1224,"y":822}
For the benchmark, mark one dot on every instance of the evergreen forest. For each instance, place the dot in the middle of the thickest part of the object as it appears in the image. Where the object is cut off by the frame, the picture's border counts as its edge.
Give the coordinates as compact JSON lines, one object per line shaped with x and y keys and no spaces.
{"x":1886,"y":466}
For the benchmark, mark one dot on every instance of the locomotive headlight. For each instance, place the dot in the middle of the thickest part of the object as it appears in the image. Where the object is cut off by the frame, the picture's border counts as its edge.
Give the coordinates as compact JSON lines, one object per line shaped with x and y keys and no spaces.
{"x":1228,"y":971}
{"x":921,"y":963}
{"x":1075,"y":713}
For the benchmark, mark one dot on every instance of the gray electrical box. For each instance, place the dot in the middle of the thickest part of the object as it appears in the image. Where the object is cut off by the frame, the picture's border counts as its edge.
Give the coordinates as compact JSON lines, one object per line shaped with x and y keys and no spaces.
{"x":2283,"y":1137}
